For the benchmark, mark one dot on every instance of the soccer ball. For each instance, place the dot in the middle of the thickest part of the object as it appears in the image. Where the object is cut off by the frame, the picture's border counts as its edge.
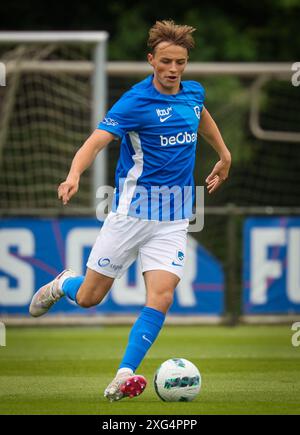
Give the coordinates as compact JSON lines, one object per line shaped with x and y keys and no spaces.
{"x":177,"y":380}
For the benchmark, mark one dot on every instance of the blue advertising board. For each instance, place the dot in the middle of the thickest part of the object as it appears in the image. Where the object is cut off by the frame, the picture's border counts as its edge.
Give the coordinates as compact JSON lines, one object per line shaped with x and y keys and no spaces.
{"x":33,"y":251}
{"x":271,"y":266}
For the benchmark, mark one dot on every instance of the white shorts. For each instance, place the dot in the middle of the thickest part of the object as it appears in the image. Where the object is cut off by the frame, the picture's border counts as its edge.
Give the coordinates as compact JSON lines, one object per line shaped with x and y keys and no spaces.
{"x":160,"y":245}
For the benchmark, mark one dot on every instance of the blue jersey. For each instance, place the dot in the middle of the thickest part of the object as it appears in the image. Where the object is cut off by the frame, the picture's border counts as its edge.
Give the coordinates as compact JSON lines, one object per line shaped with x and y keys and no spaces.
{"x":154,"y":174}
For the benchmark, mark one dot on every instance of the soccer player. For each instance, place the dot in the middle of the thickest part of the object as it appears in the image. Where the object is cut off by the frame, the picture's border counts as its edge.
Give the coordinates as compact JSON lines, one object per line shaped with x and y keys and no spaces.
{"x":157,"y":121}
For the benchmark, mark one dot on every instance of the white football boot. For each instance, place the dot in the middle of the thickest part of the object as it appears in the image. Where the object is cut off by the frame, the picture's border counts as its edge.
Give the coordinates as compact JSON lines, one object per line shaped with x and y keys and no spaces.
{"x":125,"y":384}
{"x":47,"y":295}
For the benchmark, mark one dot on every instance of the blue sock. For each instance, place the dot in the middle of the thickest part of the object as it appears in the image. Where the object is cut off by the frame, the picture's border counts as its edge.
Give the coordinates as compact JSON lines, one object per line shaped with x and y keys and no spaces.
{"x":71,"y":286}
{"x":142,"y":336}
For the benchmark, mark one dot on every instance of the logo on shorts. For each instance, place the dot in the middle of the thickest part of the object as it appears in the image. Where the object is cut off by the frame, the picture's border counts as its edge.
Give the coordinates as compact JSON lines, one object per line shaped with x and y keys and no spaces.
{"x":116,"y":267}
{"x":103,"y":262}
{"x":180,"y":255}
{"x":176,"y":264}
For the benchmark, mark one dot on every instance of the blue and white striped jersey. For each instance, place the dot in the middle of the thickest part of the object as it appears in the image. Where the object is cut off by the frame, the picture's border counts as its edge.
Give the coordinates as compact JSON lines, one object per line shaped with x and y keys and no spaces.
{"x":157,"y":155}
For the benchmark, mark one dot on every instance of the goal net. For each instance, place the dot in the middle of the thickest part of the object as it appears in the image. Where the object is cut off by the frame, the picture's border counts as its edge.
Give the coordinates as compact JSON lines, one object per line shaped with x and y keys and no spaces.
{"x":54,"y":96}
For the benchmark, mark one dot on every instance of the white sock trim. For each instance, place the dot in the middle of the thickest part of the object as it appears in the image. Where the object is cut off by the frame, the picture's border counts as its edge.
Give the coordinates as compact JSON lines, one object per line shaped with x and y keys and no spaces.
{"x":62,"y":280}
{"x":125,"y":370}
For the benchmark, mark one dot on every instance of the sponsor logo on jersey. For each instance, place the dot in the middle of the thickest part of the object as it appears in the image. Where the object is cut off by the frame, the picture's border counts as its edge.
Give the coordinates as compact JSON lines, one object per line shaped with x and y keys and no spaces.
{"x":164,"y":114}
{"x":179,"y":139}
{"x":110,"y":121}
{"x":164,"y":119}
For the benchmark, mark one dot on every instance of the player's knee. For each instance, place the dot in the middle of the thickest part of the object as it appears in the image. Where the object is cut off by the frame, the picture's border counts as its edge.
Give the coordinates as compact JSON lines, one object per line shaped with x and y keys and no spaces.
{"x":83,"y":301}
{"x":167,"y":299}
{"x":162,"y":298}
{"x":86,"y":300}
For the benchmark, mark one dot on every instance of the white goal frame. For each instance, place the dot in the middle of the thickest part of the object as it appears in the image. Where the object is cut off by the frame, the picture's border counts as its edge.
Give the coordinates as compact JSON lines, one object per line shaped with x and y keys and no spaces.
{"x":99,"y":76}
{"x":261,"y":72}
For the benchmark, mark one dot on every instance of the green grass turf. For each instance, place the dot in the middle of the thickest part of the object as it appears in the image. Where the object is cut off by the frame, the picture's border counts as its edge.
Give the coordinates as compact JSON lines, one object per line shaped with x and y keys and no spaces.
{"x":245,"y":370}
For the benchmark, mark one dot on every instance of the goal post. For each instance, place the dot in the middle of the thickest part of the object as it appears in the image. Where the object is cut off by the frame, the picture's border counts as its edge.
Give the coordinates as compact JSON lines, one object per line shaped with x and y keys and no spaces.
{"x":46,"y":61}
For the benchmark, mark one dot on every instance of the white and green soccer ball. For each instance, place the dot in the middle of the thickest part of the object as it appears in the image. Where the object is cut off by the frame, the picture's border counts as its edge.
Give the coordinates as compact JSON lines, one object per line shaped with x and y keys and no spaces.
{"x":177,"y":380}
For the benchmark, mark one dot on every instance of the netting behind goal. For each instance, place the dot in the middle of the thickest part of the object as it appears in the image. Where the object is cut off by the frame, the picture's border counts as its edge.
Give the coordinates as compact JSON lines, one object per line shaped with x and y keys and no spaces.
{"x":265,"y":171}
{"x":45,"y":115}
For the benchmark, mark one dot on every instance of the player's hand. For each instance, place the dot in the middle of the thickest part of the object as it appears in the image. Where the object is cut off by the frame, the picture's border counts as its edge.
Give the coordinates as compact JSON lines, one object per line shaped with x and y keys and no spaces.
{"x":218,"y":175}
{"x":67,"y":189}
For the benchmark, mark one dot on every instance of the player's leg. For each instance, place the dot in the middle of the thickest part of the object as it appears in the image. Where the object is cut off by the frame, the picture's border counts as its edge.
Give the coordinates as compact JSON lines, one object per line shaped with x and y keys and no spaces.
{"x":162,"y":258}
{"x":86,"y":290}
{"x":103,"y":263}
{"x":160,"y":286}
{"x":91,"y":291}
{"x":48,"y":294}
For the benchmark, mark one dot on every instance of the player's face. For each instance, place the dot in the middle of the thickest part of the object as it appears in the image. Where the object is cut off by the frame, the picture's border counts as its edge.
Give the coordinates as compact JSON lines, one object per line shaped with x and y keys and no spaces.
{"x":168,"y":62}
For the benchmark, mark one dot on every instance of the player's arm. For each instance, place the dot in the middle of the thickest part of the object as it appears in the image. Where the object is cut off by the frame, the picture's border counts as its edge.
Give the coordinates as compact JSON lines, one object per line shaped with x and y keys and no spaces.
{"x":81,"y":161}
{"x":209,"y":130}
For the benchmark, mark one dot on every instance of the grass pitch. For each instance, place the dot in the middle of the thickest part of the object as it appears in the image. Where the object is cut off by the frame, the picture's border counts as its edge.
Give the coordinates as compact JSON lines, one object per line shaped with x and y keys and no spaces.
{"x":245,"y":370}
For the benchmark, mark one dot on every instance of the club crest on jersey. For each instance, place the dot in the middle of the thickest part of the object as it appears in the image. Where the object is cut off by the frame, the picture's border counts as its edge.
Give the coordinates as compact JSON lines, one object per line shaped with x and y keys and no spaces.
{"x":164,"y":114}
{"x":197,"y":111}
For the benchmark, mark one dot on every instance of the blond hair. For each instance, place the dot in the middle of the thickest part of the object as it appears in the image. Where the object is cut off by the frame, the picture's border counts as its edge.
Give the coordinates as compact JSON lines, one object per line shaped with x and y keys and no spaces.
{"x":168,"y":31}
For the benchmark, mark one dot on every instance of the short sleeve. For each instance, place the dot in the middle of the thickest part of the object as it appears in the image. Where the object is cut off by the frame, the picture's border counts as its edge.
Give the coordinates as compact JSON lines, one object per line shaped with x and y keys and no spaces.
{"x":122,"y":117}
